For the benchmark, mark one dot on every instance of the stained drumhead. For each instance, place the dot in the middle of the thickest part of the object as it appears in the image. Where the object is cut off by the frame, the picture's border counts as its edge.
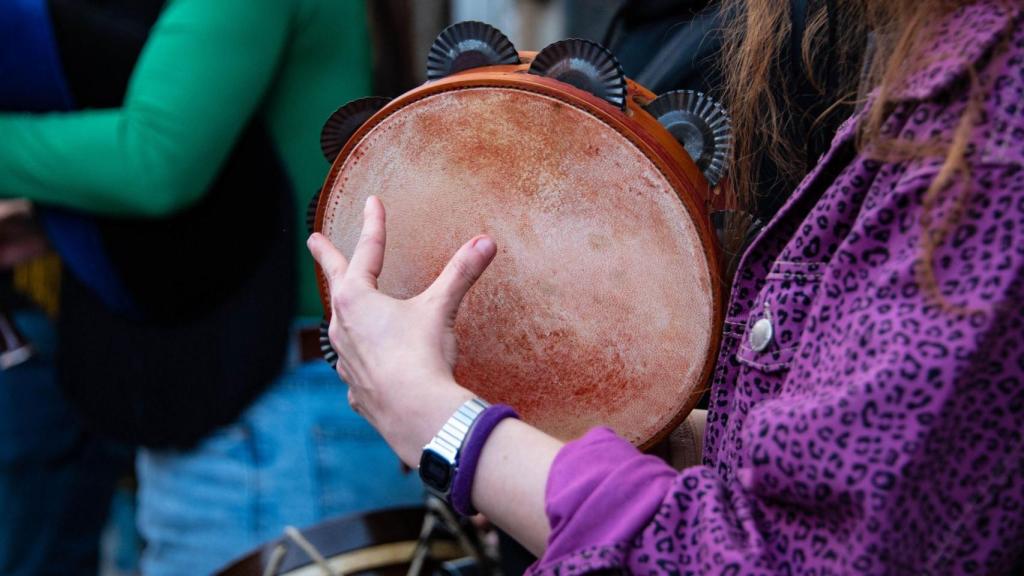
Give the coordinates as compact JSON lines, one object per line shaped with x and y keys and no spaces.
{"x":599,"y":308}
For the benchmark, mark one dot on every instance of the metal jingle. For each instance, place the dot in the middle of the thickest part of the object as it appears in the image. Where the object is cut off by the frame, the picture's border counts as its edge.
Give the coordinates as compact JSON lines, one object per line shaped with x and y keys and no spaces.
{"x":586,"y":65}
{"x":326,"y":350}
{"x":701,"y":125}
{"x":314,"y":202}
{"x":344,"y":122}
{"x":466,"y":45}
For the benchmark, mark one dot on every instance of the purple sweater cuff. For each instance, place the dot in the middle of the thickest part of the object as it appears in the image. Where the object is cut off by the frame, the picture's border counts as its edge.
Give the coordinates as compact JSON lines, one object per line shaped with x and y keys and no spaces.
{"x":462,"y":485}
{"x":601,"y":491}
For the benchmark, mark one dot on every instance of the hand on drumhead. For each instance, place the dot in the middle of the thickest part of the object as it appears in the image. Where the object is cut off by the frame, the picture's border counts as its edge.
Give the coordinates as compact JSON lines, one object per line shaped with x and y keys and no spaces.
{"x":398,"y":356}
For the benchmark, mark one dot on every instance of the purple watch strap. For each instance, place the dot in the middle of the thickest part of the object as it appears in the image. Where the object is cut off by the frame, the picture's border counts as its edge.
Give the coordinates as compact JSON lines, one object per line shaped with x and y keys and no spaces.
{"x":469,"y":456}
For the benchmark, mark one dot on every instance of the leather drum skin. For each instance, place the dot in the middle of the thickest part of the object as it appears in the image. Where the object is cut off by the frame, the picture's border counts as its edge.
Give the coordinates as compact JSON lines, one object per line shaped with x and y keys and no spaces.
{"x":603,"y":305}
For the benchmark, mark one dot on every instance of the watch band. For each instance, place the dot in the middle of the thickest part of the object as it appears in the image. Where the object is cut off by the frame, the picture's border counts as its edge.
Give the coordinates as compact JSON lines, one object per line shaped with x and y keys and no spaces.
{"x":469,"y":456}
{"x":443,"y":449}
{"x":449,"y":439}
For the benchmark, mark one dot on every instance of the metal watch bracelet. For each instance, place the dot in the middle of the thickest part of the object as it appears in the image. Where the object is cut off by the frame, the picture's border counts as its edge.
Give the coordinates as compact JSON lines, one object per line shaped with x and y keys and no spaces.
{"x":439,"y":461}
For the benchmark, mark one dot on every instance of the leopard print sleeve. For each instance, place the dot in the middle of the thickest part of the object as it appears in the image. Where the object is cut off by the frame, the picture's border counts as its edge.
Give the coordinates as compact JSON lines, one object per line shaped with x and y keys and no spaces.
{"x":890,"y":443}
{"x":880,"y":430}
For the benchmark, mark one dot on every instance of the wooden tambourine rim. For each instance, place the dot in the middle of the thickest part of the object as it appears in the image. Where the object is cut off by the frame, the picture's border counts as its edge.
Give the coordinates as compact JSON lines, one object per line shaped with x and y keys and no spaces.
{"x":635,"y":124}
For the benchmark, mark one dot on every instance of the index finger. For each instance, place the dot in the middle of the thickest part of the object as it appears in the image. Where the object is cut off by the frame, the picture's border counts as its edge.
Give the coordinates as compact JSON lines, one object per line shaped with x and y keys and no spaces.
{"x":368,"y":257}
{"x":330,"y":259}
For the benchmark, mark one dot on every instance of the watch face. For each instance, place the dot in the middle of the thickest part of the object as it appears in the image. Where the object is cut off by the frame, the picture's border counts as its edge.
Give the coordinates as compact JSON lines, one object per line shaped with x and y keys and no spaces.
{"x":435,"y":471}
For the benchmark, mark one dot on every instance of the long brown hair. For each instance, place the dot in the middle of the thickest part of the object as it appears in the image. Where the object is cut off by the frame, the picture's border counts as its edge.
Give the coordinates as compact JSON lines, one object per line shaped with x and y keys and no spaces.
{"x":759,"y":33}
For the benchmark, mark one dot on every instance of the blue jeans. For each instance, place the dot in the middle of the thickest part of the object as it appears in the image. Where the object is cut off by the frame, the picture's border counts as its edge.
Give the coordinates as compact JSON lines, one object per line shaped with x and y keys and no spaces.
{"x":56,"y":480}
{"x":297,"y":456}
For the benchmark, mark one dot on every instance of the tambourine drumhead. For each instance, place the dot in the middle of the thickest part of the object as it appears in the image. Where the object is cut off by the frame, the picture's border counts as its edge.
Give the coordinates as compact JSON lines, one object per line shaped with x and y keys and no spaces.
{"x":600,"y":308}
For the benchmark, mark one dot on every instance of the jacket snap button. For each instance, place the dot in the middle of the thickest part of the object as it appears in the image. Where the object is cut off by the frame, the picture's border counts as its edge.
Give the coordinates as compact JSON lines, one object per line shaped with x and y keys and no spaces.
{"x":763,"y":331}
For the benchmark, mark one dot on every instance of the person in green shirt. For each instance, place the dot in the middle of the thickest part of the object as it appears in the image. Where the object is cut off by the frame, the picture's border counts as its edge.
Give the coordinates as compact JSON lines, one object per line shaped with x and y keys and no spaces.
{"x":207,"y":69}
{"x":297,"y":454}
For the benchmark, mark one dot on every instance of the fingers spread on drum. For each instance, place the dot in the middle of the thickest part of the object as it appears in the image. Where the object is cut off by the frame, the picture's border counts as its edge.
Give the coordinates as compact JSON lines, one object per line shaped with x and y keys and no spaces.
{"x":397,"y":356}
{"x":342,"y":344}
{"x":459,"y":275}
{"x":354,"y":403}
{"x":368,"y":257}
{"x":330,"y":259}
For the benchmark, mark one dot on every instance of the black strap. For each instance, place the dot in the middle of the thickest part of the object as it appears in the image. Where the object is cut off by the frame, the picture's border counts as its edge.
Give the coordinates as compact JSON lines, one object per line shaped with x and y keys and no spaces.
{"x":99,"y":42}
{"x":689,"y":45}
{"x":215,"y":329}
{"x":692,"y":45}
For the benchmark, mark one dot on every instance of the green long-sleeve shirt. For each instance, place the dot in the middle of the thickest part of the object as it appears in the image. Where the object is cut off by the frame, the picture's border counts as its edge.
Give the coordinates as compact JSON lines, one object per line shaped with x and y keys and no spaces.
{"x":208,"y":67}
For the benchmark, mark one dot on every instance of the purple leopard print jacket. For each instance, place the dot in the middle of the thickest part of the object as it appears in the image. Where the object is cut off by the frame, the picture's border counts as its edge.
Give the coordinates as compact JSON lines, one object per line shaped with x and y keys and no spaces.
{"x":879,"y":432}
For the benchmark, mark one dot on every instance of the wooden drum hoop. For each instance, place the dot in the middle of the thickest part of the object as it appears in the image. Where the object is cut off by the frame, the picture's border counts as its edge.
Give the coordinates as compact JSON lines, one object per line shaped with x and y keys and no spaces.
{"x":638,"y":128}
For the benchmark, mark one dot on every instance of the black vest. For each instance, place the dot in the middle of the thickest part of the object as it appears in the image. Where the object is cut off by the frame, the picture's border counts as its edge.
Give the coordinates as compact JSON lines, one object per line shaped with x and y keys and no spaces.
{"x":215,"y":284}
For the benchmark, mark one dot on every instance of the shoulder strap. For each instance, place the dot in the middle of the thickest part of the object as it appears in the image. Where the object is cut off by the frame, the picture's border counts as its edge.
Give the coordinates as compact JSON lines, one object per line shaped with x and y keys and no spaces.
{"x":691,"y":46}
{"x":31,"y":78}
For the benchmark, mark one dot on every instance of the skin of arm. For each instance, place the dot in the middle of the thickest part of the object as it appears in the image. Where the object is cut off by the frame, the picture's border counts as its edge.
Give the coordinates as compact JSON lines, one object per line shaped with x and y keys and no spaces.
{"x":398,"y":358}
{"x":198,"y":82}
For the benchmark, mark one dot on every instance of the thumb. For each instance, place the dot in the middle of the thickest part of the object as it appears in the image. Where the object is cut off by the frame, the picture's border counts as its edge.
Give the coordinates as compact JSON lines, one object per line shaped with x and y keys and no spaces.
{"x":461,"y":272}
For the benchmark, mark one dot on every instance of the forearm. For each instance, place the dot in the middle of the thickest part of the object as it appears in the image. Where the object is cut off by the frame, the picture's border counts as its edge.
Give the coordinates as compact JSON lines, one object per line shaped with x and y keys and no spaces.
{"x":510,"y":484}
{"x":511,"y":475}
{"x":97,"y":164}
{"x":511,"y":480}
{"x":515,"y":500}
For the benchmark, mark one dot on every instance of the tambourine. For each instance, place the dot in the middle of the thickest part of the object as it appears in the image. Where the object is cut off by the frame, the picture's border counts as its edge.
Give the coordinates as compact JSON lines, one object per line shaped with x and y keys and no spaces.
{"x":603,"y":305}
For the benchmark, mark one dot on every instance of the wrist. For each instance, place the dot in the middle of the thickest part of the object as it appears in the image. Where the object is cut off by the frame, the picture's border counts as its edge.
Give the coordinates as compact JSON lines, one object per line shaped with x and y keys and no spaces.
{"x":469,"y":455}
{"x":413,"y":430}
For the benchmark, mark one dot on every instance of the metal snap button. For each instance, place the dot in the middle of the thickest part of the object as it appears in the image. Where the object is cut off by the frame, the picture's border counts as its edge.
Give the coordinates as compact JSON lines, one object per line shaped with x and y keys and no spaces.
{"x":763,"y":331}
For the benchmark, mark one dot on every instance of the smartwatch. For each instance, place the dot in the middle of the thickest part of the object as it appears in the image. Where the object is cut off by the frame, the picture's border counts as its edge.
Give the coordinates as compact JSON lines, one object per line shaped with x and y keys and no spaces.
{"x":440,"y":459}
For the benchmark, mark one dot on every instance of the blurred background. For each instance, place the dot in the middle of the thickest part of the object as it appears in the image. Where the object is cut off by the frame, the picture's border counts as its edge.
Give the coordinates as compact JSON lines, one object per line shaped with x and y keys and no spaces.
{"x":163,"y":404}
